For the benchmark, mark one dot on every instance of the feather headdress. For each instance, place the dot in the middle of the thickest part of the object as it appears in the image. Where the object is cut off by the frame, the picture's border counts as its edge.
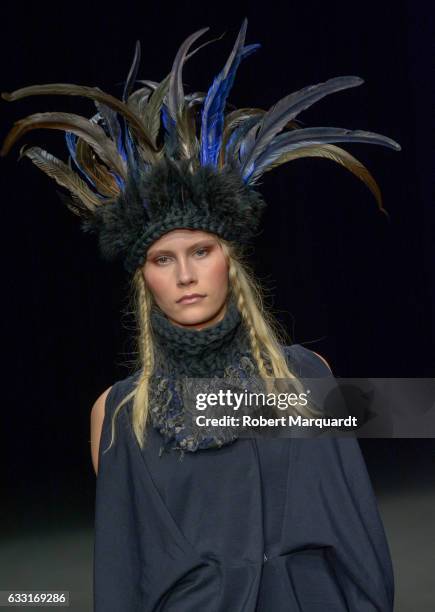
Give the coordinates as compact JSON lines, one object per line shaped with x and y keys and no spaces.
{"x":161,"y":159}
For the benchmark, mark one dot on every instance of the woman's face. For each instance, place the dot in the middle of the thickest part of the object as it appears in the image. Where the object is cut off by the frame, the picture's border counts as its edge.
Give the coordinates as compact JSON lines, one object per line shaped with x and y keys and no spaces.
{"x":185,"y":262}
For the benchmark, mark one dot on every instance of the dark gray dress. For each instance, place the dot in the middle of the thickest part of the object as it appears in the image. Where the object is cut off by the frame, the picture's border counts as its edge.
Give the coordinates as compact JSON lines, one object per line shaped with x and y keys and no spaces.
{"x":259,"y":525}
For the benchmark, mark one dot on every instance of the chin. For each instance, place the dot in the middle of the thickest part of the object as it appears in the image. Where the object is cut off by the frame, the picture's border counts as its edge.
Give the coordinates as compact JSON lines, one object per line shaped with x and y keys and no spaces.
{"x":195,"y":314}
{"x":190,"y":314}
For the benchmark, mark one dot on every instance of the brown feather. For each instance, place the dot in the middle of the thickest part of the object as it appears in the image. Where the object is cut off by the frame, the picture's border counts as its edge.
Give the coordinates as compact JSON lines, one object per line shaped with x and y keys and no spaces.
{"x":232,"y":121}
{"x":340,"y":156}
{"x":139,"y":99}
{"x":92,"y":133}
{"x":186,"y":132}
{"x":104,"y":181}
{"x":95,"y":93}
{"x":62,"y":174}
{"x":236,"y":118}
{"x":151,"y":113}
{"x":176,"y":91}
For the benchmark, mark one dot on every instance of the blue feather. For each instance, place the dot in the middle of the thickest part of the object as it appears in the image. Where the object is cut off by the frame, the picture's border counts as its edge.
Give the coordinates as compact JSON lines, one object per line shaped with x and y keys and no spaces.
{"x":71,"y":143}
{"x":212,"y":120}
{"x":168,"y":122}
{"x":129,"y":146}
{"x":237,"y":135}
{"x":120,"y":147}
{"x":119,"y":180}
{"x":170,"y":128}
{"x":212,"y":117}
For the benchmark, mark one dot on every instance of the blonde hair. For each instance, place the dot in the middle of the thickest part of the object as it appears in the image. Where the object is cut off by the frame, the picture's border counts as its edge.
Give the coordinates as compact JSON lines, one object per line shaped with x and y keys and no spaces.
{"x":265,"y":334}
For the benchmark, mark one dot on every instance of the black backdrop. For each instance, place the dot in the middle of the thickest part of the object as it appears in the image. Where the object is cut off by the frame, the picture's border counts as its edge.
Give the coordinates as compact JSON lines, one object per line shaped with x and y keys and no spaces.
{"x":342,"y":279}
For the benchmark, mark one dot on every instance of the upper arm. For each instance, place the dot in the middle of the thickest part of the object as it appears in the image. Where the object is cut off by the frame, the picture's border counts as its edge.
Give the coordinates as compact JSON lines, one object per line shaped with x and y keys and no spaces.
{"x":97,"y":418}
{"x":323,"y":359}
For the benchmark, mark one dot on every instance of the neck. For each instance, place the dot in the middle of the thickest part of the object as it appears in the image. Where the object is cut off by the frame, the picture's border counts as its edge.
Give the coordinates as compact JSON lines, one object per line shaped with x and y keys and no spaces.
{"x":186,"y":351}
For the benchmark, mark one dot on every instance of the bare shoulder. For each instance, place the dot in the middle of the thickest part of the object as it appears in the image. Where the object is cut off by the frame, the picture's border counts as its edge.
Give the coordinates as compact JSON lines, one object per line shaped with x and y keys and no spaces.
{"x":323,"y":359}
{"x":97,"y":418}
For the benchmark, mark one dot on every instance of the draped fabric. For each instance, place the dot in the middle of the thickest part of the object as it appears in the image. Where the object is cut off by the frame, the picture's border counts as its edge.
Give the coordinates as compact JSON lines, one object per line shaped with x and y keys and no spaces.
{"x":258,"y":525}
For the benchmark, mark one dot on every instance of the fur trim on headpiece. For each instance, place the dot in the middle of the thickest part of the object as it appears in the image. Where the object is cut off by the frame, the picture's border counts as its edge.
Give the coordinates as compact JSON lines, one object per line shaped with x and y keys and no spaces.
{"x":159,"y":159}
{"x":168,"y":197}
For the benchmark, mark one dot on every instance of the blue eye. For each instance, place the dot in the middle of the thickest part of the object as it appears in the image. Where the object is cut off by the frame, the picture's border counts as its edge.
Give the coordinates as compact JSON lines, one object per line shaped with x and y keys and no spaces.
{"x":160,"y":258}
{"x":202,"y":249}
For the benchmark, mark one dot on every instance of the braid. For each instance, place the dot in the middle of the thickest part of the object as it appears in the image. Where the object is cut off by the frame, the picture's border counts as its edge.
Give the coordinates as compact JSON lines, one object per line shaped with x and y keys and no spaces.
{"x":236,"y":284}
{"x":140,"y":403}
{"x":143,"y":310}
{"x":265,"y":333}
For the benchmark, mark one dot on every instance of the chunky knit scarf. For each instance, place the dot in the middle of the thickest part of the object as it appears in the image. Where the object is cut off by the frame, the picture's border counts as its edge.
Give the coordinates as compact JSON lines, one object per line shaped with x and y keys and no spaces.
{"x":221,"y":351}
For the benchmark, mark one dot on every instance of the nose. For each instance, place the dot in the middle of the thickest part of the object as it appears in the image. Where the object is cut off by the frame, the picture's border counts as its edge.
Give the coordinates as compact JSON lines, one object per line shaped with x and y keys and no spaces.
{"x":185,"y":273}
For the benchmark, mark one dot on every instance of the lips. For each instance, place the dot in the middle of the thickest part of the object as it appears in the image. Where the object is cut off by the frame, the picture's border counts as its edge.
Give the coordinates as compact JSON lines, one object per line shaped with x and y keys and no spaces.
{"x":190,"y":299}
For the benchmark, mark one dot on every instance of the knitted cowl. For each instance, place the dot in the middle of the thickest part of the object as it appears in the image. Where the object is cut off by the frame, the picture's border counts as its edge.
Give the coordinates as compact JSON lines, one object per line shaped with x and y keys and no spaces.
{"x":220,"y":351}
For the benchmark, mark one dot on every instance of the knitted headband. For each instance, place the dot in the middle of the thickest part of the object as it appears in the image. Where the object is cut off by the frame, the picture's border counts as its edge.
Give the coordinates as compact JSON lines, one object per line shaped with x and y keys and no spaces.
{"x":160,"y":159}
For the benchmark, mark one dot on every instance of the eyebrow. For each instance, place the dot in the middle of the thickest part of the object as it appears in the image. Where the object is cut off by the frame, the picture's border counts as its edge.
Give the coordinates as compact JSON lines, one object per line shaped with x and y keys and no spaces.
{"x":203,"y":242}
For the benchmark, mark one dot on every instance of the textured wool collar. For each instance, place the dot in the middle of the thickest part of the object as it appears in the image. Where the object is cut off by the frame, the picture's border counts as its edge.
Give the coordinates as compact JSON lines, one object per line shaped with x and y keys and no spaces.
{"x":218,"y":352}
{"x":204,"y":353}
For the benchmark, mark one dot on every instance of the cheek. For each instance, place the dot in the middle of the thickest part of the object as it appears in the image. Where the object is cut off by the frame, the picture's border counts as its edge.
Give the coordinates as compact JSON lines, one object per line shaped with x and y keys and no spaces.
{"x":219,"y":272}
{"x":156,"y":281}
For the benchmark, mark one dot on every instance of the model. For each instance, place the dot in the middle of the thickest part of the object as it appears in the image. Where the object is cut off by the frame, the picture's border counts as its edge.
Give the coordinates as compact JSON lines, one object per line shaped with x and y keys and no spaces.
{"x":191,"y":518}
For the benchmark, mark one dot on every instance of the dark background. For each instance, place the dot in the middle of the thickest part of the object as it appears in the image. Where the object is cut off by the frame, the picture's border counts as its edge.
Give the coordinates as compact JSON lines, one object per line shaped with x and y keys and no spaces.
{"x":344,"y":280}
